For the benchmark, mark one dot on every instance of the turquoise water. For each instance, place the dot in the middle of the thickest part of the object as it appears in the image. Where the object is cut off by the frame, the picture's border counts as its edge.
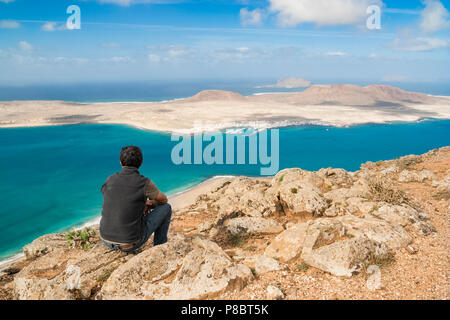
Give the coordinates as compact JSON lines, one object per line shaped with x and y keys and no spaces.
{"x":51,"y":176}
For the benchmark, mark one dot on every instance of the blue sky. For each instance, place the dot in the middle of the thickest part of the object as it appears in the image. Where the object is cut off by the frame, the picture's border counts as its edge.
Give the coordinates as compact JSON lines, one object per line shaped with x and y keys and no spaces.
{"x":137,"y":40}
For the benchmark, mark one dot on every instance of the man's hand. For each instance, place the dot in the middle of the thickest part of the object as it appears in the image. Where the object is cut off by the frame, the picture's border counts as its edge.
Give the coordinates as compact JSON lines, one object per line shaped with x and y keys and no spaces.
{"x":149,"y":205}
{"x":161,"y":198}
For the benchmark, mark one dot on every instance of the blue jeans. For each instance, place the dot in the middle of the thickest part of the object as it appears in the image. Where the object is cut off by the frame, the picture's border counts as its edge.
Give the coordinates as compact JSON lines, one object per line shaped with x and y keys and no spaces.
{"x":157,"y":221}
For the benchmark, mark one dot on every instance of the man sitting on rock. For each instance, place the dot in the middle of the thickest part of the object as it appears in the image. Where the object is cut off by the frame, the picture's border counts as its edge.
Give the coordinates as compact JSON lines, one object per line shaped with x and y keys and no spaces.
{"x":133,"y":207}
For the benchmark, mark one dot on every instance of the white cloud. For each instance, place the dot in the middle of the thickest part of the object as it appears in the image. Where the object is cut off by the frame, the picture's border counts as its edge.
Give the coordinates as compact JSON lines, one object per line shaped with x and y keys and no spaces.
{"x":117,"y":59}
{"x":252,"y":18}
{"x":434,"y":17}
{"x":110,"y":45}
{"x":53,"y":26}
{"x":336,"y":54}
{"x":25,"y":46}
{"x":126,"y":3}
{"x":321,"y":12}
{"x":154,"y":58}
{"x":9,"y":24}
{"x":419,"y":44}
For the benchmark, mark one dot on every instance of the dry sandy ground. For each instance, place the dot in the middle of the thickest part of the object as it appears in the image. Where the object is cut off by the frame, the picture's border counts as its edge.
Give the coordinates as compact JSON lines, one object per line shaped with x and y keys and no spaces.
{"x":338,"y":105}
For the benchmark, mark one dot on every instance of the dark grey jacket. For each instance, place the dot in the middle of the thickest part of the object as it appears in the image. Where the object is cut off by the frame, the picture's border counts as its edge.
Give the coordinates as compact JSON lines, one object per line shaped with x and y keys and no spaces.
{"x":124,"y":196}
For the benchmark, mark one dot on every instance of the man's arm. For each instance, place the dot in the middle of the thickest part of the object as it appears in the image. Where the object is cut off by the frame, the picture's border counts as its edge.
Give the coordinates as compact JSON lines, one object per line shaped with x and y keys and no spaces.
{"x":154,"y":196}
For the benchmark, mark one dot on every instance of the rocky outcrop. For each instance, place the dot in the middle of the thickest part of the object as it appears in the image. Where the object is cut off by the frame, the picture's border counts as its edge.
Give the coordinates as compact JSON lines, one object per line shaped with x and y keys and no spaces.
{"x":335,"y":221}
{"x":306,"y":236}
{"x":346,"y":257}
{"x":253,"y":225}
{"x":184,"y":268}
{"x":64,"y":274}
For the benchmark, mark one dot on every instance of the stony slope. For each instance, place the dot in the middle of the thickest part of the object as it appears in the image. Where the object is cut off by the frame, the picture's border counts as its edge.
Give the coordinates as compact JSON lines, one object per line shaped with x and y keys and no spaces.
{"x":299,"y":235}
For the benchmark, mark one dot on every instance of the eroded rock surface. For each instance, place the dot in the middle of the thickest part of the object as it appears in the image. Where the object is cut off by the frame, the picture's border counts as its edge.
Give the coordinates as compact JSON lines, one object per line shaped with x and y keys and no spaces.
{"x":184,"y":268}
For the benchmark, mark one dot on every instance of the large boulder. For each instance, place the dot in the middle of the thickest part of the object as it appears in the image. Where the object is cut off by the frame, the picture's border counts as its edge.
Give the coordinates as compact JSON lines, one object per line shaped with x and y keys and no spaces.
{"x":44,"y":245}
{"x":305,"y":236}
{"x":288,"y":245}
{"x":403,"y":215}
{"x":413,"y":176}
{"x":183,"y":268}
{"x":302,"y":198}
{"x":336,"y":178}
{"x":253,"y":225}
{"x":241,"y":195}
{"x":262,"y":264}
{"x":66,"y":274}
{"x":296,"y":175}
{"x":392,"y":235}
{"x":346,"y":257}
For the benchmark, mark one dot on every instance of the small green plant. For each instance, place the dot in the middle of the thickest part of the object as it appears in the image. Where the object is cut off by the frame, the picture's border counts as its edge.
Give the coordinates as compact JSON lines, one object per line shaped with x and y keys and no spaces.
{"x":239,"y":239}
{"x":294,"y":190}
{"x":329,"y":186}
{"x":251,"y":248}
{"x":282,"y":177}
{"x":83,"y":239}
{"x":302,"y":267}
{"x":105,"y":275}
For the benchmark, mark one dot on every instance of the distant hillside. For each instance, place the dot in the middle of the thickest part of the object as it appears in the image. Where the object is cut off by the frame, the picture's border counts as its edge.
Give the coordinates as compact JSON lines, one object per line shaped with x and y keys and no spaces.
{"x":213,"y":95}
{"x":352,"y":95}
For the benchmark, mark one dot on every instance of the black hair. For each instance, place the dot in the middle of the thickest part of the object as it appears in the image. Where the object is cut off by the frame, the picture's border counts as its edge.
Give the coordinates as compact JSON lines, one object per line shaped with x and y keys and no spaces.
{"x":131,"y":156}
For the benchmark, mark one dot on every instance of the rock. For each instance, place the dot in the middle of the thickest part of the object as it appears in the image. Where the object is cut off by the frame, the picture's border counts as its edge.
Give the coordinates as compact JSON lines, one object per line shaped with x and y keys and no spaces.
{"x":66,"y":274}
{"x":204,"y":227}
{"x":302,"y":198}
{"x":240,"y":195}
{"x":393,"y":236}
{"x":390,"y":170}
{"x":253,"y":226}
{"x":336,"y":178}
{"x":411,"y":250}
{"x":289,"y":244}
{"x":335,"y":210}
{"x":347,"y":257}
{"x":262,"y":264}
{"x":273,"y":293}
{"x":213,"y":232}
{"x":321,"y":232}
{"x":44,"y":245}
{"x":403,"y":215}
{"x":424,"y":228}
{"x":358,"y":205}
{"x":183,"y":268}
{"x":296,"y":175}
{"x":412,"y":176}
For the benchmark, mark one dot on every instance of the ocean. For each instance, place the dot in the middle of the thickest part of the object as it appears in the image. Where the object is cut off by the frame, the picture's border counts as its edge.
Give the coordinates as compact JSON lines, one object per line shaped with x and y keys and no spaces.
{"x":162,"y":91}
{"x":51,"y":176}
